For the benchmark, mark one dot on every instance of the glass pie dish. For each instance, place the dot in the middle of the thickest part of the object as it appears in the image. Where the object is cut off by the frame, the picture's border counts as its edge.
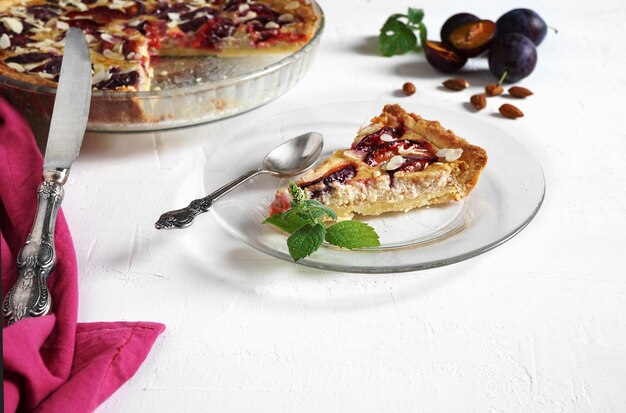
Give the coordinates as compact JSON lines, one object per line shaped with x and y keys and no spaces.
{"x":185,"y":90}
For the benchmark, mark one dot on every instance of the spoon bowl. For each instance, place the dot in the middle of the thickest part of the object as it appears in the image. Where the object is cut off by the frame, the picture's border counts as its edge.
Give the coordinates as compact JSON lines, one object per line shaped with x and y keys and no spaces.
{"x":294,"y":156}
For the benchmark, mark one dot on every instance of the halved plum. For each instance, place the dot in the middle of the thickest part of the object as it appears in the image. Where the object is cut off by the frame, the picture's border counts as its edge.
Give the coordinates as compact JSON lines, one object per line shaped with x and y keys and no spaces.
{"x":471,"y":39}
{"x":443,"y":58}
{"x":455,"y":22}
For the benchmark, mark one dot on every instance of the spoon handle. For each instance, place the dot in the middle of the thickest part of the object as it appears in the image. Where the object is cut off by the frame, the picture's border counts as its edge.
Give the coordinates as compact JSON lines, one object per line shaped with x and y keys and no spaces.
{"x":182,"y":218}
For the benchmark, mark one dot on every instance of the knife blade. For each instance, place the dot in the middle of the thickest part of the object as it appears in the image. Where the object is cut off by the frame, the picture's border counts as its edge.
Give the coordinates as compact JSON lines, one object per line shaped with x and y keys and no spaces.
{"x":29,"y":297}
{"x":71,"y":104}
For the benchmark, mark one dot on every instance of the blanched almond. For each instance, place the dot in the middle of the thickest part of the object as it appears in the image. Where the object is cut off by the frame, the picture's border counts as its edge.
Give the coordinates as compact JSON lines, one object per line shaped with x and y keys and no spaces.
{"x":394,"y":163}
{"x":450,"y":154}
{"x":358,"y":155}
{"x":13,"y":24}
{"x":5,"y":41}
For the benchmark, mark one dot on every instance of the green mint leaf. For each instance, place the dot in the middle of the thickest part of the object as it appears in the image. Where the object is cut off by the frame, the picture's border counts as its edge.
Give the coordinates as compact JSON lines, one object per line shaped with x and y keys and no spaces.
{"x":305,"y":214}
{"x":396,"y":38}
{"x":415,"y":15}
{"x":352,"y":234}
{"x":423,"y":33}
{"x":317,"y":207}
{"x":297,"y":194}
{"x":305,"y":241}
{"x":288,"y":224}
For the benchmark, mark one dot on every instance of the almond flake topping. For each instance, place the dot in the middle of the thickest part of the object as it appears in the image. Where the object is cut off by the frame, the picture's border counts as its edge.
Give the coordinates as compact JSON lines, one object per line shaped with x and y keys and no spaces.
{"x":243,"y":8}
{"x":412,"y":151}
{"x":272,"y":25}
{"x":79,"y":5}
{"x":13,"y":24}
{"x":285,"y":18}
{"x":108,"y":38}
{"x":62,"y":25}
{"x":100,"y":76}
{"x":41,"y":29}
{"x":118,"y":48}
{"x":120,"y":5}
{"x":49,"y":49}
{"x":19,"y":12}
{"x":111,"y":55}
{"x":394,"y":163}
{"x":90,"y":38}
{"x":46,"y":75}
{"x":248,"y":16}
{"x":450,"y":155}
{"x":5,"y":41}
{"x":369,"y":129}
{"x":292,"y":6}
{"x":17,"y":67}
{"x":175,"y":17}
{"x":358,"y":155}
{"x":385,"y":137}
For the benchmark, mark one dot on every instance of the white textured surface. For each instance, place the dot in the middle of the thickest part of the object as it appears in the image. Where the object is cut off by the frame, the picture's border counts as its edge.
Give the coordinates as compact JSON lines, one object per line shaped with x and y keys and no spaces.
{"x":538,"y":324}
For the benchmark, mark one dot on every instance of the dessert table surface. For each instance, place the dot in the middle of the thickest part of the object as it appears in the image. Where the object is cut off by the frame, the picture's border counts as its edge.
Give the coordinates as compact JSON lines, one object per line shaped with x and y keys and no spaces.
{"x":535,"y":325}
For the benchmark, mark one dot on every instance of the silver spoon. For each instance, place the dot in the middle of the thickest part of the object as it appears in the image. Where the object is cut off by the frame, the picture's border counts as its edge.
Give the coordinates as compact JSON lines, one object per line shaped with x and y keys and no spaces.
{"x":290,"y":158}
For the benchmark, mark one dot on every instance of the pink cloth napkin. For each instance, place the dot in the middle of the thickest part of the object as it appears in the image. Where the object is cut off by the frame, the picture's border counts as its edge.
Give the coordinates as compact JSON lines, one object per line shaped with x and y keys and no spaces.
{"x":53,"y":363}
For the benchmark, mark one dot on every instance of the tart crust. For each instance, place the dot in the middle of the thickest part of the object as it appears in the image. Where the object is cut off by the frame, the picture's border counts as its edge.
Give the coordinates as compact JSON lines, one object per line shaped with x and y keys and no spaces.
{"x":374,"y":191}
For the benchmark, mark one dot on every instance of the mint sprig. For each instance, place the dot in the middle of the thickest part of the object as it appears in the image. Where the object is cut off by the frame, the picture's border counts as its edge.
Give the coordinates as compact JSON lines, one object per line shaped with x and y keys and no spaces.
{"x":397,"y":34}
{"x":305,"y":222}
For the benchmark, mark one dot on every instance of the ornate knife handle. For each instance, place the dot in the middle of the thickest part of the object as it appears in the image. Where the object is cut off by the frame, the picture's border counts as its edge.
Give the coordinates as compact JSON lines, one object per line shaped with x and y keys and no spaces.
{"x":182,"y":218}
{"x":29,"y":297}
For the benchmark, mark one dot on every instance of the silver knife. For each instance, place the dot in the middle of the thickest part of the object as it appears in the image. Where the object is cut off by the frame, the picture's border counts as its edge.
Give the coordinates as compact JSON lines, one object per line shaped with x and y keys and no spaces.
{"x":29,"y":296}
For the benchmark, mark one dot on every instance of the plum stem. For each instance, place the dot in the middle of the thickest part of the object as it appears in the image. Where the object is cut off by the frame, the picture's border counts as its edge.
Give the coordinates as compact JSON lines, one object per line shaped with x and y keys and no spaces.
{"x":506,"y":72}
{"x":553,"y":29}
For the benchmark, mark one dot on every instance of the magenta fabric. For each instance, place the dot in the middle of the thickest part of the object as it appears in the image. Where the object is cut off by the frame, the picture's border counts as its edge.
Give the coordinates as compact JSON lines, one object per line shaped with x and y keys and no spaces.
{"x":53,"y":363}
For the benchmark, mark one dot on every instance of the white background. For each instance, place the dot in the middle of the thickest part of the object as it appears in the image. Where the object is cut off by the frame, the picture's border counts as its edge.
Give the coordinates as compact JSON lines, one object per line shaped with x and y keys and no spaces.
{"x":538,"y":324}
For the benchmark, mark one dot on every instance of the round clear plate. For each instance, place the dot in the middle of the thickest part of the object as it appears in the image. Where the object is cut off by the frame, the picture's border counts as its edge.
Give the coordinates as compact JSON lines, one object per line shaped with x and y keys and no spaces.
{"x":507,"y":197}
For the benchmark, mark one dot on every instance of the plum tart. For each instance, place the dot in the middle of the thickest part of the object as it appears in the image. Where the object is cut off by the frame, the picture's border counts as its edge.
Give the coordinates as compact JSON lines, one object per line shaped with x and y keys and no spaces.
{"x":124,"y":35}
{"x":398,"y":162}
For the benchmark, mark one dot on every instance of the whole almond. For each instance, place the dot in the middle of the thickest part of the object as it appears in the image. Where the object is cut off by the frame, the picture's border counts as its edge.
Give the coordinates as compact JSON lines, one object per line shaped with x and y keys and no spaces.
{"x":519,"y":92}
{"x":510,"y":111}
{"x":456,"y":84}
{"x":493,"y":90}
{"x":479,"y":101}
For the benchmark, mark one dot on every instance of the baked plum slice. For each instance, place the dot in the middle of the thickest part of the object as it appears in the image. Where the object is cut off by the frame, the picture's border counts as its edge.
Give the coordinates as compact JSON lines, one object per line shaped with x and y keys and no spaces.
{"x":119,"y":80}
{"x":211,"y":34}
{"x":27,"y":58}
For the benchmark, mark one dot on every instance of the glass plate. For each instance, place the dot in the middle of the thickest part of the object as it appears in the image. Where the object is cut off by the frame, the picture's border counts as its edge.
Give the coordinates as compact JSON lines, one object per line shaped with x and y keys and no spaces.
{"x":507,"y":197}
{"x":186,"y":90}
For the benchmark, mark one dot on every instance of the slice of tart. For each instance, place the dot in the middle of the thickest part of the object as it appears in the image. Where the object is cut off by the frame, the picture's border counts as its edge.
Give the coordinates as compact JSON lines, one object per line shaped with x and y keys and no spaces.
{"x":398,"y":162}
